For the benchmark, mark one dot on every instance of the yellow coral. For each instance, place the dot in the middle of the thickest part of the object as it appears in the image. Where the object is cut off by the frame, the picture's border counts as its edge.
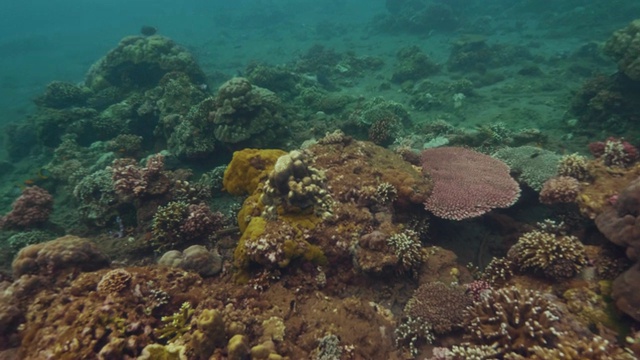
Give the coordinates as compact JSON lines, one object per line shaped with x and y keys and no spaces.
{"x":248,"y":168}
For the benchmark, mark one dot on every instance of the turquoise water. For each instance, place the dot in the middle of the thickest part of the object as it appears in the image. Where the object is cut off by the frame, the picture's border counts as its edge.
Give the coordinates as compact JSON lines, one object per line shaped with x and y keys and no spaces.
{"x":298,"y":179}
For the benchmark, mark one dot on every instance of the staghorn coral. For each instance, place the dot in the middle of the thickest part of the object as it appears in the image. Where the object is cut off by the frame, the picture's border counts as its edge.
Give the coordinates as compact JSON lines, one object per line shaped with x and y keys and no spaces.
{"x":560,"y":189}
{"x":467,"y":183}
{"x":498,"y":271}
{"x":51,"y":257}
{"x":553,"y":256}
{"x":177,"y":324}
{"x":513,"y":320}
{"x":31,"y":209}
{"x":439,"y":305}
{"x":132,"y":181}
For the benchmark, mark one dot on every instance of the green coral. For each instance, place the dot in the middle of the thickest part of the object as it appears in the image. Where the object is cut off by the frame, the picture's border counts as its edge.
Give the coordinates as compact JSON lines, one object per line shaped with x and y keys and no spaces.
{"x":176,"y":325}
{"x":97,"y":198}
{"x":533,"y":166}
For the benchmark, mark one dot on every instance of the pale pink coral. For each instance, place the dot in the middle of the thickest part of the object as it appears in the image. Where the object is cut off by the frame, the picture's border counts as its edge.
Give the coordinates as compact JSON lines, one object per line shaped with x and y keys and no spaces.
{"x":467,"y":183}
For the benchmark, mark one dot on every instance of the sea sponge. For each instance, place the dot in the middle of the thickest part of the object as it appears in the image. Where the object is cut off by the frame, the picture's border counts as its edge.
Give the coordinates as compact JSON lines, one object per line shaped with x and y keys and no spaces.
{"x":513,"y":320}
{"x":553,"y":256}
{"x":248,"y":168}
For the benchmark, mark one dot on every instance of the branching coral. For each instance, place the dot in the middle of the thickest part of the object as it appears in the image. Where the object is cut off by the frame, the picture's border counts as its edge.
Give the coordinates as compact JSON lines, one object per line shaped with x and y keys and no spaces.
{"x":560,"y":189}
{"x":553,"y":256}
{"x":513,"y":320}
{"x":176,"y":325}
{"x":574,"y":165}
{"x":295,"y":186}
{"x":407,"y":248}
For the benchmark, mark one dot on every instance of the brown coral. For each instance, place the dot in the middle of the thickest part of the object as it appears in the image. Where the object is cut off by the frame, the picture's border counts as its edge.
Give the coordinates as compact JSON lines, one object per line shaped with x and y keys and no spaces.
{"x":553,"y":256}
{"x":561,"y":189}
{"x":439,"y":305}
{"x":513,"y":320}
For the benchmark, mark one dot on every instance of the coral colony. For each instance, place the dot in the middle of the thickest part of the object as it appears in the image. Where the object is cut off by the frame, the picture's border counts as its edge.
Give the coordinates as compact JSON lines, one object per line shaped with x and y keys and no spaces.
{"x":177,"y":221}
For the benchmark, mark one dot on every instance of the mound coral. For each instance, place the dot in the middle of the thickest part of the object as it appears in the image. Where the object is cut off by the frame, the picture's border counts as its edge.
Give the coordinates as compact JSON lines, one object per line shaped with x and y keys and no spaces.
{"x":513,"y":320}
{"x":467,"y":183}
{"x":51,"y":257}
{"x":553,"y":256}
{"x":194,"y":258}
{"x":246,"y":112}
{"x":30,"y":209}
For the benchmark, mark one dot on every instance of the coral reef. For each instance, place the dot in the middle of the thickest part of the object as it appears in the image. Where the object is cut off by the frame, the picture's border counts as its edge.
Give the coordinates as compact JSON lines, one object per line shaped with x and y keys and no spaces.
{"x":467,"y":183}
